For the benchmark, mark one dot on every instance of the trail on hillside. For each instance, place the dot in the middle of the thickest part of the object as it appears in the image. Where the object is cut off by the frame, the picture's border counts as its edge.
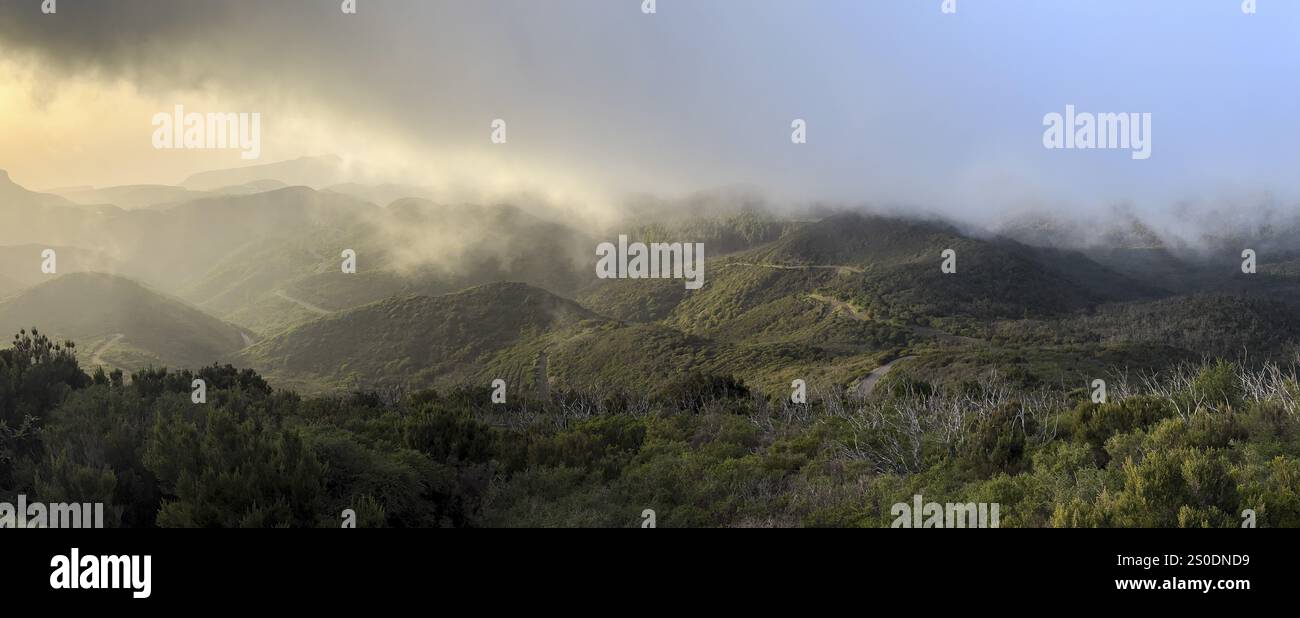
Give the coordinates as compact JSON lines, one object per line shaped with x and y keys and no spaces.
{"x":923,"y":331}
{"x":97,"y":357}
{"x":842,"y":268}
{"x":869,"y":383}
{"x":302,"y":303}
{"x":248,"y":341}
{"x":836,"y":303}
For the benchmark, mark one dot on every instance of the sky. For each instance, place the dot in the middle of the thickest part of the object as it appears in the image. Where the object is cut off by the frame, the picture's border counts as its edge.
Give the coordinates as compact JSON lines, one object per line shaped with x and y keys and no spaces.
{"x":904,"y":103}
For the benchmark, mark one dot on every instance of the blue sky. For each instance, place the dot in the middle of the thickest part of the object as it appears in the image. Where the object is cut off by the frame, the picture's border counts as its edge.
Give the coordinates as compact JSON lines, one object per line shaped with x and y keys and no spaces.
{"x":908,"y":103}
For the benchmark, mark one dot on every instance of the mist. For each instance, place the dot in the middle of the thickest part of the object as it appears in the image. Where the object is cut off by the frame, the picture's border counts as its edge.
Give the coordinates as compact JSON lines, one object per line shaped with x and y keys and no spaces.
{"x":603,"y":101}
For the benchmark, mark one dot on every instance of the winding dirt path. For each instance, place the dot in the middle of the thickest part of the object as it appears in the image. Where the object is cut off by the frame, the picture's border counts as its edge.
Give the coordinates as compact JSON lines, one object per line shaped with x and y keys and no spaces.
{"x":843,"y":269}
{"x":840,"y":305}
{"x":868,"y":384}
{"x":304,"y":304}
{"x":923,"y":331}
{"x":97,"y":357}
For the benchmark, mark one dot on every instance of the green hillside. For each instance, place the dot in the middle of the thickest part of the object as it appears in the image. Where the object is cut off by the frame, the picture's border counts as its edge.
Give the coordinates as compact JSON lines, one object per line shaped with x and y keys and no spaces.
{"x":21,"y":264}
{"x":830,"y":300}
{"x":9,"y":286}
{"x":120,"y":323}
{"x":411,"y":248}
{"x":1214,"y":324}
{"x":887,"y":268}
{"x":415,"y":340}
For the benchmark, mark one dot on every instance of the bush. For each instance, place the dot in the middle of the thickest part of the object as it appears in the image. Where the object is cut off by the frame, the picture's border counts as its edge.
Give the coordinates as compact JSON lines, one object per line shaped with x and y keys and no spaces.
{"x":1096,"y":423}
{"x":698,"y":390}
{"x":999,"y":442}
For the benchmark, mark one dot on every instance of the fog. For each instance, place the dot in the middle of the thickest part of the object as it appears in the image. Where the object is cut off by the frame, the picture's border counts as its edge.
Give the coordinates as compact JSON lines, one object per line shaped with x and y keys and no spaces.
{"x":908,"y":109}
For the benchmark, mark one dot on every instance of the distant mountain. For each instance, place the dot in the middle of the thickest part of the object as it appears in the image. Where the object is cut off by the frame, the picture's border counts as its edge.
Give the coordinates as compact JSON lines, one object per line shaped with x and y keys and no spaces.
{"x":415,"y":340}
{"x":131,"y":197}
{"x":171,"y":246}
{"x":21,"y":264}
{"x":14,"y":196}
{"x":1040,"y":229}
{"x":27,"y":216}
{"x":1118,"y":228}
{"x":196,"y":235}
{"x":158,"y":197}
{"x":863,"y":240}
{"x":9,"y":286}
{"x":381,"y":194}
{"x":465,"y":293}
{"x":721,"y":233}
{"x":120,"y":323}
{"x":315,"y":172}
{"x":890,"y":269}
{"x":412,"y":247}
{"x":268,"y":258}
{"x":829,"y":300}
{"x":1192,"y":251}
{"x":249,"y":188}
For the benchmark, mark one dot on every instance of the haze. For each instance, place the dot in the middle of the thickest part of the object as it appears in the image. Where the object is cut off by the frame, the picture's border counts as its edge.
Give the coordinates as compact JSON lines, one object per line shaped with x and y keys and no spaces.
{"x":905,"y":104}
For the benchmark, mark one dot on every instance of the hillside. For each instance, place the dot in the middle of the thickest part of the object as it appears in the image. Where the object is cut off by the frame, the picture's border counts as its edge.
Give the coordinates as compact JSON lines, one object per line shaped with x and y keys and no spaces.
{"x":832,"y":298}
{"x":835,"y":298}
{"x":9,"y":286}
{"x":21,"y":264}
{"x":120,"y":323}
{"x":995,"y":277}
{"x":411,"y":248}
{"x":193,"y":235}
{"x":130,"y":196}
{"x":888,"y":267}
{"x":1221,"y":325}
{"x":414,"y":340}
{"x":28,"y":216}
{"x":315,"y":172}
{"x":13,"y":195}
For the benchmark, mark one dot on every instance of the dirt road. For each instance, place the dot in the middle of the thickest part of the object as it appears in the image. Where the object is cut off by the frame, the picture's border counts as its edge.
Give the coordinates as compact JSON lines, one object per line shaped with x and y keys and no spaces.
{"x":304,"y":304}
{"x":842,"y":269}
{"x":97,"y":357}
{"x":868,"y":384}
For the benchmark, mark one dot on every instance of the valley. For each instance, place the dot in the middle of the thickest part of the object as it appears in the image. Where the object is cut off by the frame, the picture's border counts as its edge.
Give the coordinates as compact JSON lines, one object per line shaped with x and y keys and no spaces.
{"x":631,"y":264}
{"x":824,"y":299}
{"x":625,"y":392}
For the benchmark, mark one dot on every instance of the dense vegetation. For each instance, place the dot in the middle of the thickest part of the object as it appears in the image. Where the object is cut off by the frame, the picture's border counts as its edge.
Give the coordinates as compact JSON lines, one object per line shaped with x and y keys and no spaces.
{"x":371,"y":392}
{"x":1190,"y":446}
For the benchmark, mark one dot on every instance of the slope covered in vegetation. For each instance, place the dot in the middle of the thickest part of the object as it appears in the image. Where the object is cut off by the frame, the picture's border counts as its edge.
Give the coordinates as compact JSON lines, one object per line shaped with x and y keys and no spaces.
{"x":1192,"y":446}
{"x":121,"y":323}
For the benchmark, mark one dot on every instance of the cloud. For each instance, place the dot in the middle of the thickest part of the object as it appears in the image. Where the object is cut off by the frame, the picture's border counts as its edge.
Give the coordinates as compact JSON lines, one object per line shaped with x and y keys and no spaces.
{"x":904,"y":104}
